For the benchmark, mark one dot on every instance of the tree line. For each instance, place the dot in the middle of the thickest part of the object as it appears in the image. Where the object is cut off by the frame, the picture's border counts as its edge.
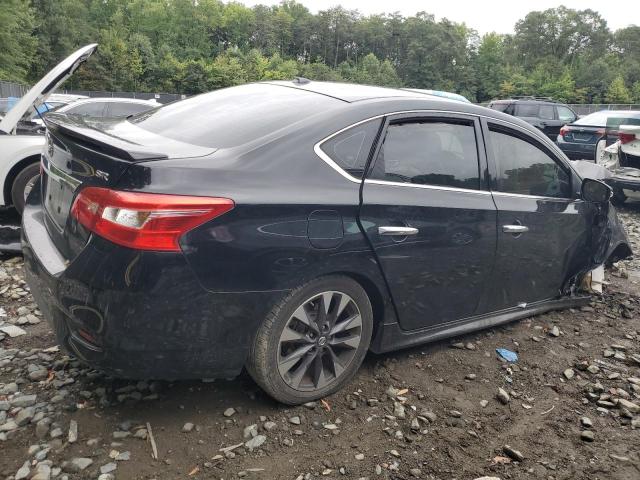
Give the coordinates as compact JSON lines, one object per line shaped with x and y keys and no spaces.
{"x":192,"y":46}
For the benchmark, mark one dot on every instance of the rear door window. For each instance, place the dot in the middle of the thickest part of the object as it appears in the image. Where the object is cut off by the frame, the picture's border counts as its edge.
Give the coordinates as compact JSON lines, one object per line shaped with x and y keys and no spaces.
{"x":430,"y":152}
{"x":524,"y":167}
{"x":527,"y":110}
{"x":350,"y":149}
{"x":546,"y":112}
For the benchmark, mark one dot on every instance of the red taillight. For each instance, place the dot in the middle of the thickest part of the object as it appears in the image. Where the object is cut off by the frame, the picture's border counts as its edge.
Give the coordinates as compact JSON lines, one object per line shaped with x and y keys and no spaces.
{"x":626,"y":137}
{"x":564,"y":130}
{"x":144,"y":221}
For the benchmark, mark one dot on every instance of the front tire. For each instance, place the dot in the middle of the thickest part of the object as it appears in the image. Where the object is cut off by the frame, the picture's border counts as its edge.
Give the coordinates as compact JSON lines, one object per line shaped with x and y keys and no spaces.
{"x":22,"y":185}
{"x":313,"y":342}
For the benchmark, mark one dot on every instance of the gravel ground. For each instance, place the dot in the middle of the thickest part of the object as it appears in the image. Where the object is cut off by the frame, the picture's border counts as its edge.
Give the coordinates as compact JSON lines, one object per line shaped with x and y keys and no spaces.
{"x":569,"y":408}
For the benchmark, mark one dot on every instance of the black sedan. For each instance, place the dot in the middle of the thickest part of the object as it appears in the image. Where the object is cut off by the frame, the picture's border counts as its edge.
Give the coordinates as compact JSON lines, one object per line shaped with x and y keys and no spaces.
{"x":579,"y":140}
{"x":290,"y":227}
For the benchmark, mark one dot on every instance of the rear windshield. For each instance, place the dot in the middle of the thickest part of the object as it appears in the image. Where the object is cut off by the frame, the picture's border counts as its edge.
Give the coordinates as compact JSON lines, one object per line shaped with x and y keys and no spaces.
{"x":600,"y":119}
{"x":230,"y":117}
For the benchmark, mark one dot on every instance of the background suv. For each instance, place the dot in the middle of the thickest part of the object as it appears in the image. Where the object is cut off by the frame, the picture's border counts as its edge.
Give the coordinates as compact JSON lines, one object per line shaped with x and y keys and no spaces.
{"x":543,"y":113}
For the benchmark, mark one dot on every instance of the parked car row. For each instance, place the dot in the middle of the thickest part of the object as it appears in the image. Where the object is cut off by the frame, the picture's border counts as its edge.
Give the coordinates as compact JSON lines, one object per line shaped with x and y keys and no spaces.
{"x":608,"y":137}
{"x":288,"y":227}
{"x":22,"y":129}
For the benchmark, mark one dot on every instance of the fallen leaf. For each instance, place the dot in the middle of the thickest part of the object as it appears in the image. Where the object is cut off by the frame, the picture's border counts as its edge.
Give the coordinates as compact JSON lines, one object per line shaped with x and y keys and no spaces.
{"x":194,"y":471}
{"x":326,"y":405}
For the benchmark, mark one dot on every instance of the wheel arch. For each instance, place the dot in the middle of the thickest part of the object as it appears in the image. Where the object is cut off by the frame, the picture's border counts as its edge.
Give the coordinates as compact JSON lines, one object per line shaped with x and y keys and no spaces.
{"x":13,"y":173}
{"x":380,"y":303}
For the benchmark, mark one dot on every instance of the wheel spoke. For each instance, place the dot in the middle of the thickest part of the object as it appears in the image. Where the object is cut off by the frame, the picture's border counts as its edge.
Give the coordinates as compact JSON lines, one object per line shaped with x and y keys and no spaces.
{"x":291,"y":335}
{"x":297,"y":376}
{"x":318,"y":372}
{"x":351,"y":322}
{"x":302,"y":315}
{"x":285,"y":364}
{"x":350,"y":341}
{"x":324,"y":303}
{"x":336,"y":366}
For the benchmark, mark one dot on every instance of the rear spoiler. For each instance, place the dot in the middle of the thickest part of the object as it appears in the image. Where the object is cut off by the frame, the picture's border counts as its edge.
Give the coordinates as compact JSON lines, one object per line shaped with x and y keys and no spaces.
{"x":90,"y":136}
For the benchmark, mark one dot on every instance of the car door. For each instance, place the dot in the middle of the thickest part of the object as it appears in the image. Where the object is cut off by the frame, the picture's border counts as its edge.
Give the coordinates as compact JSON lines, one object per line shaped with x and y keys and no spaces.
{"x":428,"y":214}
{"x":541,"y":223}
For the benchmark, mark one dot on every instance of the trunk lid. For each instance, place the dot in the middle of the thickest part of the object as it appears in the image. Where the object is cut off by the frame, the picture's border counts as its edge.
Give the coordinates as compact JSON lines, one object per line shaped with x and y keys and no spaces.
{"x":45,"y":87}
{"x":583,"y":134}
{"x":80,"y":153}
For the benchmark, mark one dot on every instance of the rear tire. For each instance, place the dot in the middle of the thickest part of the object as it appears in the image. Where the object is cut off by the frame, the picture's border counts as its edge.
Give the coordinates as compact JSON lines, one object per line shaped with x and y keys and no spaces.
{"x":22,"y":185}
{"x":297,"y":361}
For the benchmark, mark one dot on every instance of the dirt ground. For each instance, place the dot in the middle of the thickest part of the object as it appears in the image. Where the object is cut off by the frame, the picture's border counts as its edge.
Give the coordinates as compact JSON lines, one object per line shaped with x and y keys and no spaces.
{"x":430,"y":412}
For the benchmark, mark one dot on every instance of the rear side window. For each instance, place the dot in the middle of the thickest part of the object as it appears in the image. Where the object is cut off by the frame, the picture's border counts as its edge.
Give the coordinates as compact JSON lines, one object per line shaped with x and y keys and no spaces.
{"x":546,"y":112}
{"x":525,"y":168}
{"x":350,"y":149}
{"x":234,"y":116}
{"x":439,"y":152}
{"x":124,"y":109}
{"x":92,"y":109}
{"x":501,"y":107}
{"x":526,"y":110}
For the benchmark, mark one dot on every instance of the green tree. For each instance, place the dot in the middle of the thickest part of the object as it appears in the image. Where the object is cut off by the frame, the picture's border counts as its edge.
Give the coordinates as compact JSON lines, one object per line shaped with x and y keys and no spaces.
{"x":16,"y":42}
{"x":618,"y":92}
{"x":490,"y":67}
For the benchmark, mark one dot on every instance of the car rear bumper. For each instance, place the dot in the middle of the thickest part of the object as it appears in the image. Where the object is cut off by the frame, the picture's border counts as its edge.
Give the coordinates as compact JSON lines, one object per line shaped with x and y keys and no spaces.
{"x":139,"y":314}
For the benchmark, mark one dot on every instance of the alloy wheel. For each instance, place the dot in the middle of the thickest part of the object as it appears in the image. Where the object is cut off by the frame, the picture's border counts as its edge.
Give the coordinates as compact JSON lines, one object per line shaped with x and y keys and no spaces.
{"x":319,"y":341}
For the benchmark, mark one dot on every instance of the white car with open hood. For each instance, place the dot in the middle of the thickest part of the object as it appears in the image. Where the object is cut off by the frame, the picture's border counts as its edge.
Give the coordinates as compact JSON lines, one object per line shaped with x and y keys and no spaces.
{"x":20,"y":150}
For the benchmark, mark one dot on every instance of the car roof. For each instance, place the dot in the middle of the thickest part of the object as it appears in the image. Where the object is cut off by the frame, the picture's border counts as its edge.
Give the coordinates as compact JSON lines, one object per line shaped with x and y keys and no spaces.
{"x":347,"y":92}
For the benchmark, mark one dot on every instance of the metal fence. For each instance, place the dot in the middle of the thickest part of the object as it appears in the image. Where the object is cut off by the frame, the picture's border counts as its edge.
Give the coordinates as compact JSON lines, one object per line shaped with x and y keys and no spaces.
{"x":10,"y":89}
{"x":585,"y":109}
{"x":159,"y":97}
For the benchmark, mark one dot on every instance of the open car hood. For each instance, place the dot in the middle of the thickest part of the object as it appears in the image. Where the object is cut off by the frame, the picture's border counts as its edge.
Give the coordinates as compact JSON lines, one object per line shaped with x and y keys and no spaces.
{"x":47,"y":84}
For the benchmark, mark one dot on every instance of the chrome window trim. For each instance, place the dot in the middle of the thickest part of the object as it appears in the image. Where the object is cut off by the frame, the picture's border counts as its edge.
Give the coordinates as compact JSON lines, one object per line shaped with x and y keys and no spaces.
{"x":539,"y":197}
{"x":428,"y":187}
{"x":329,"y":161}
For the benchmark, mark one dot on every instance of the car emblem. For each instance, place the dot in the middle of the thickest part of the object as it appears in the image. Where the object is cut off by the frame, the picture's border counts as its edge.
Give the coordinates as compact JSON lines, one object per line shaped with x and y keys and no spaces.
{"x":103,"y":175}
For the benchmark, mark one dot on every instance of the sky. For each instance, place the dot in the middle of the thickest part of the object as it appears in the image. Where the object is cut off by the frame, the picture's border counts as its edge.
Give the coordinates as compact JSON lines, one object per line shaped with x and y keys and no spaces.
{"x":484,"y":16}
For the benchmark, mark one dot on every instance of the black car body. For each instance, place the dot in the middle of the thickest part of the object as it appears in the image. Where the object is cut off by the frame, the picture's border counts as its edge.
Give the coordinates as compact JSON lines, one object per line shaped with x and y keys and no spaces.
{"x":579,"y":140}
{"x":545,"y":114}
{"x":301,"y":184}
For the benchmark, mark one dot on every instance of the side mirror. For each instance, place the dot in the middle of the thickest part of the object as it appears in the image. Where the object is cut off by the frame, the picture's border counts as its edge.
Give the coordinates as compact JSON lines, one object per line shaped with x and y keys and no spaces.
{"x":595,"y":191}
